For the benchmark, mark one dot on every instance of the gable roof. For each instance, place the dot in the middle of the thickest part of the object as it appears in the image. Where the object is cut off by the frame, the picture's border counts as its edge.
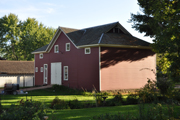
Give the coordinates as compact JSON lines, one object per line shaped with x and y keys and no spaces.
{"x":16,"y":67}
{"x":101,"y":35}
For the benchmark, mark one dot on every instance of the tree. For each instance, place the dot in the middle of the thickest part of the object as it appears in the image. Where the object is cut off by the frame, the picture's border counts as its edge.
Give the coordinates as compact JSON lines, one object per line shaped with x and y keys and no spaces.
{"x":18,"y":39}
{"x":9,"y":36}
{"x":33,"y":36}
{"x":160,"y":20}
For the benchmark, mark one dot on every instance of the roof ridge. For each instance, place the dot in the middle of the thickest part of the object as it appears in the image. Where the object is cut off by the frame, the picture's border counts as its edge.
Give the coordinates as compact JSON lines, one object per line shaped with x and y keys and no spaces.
{"x":69,"y":28}
{"x":100,"y":25}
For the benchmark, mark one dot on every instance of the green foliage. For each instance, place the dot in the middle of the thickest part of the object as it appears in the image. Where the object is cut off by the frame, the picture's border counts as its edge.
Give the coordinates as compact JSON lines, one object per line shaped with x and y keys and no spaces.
{"x":132,"y":99}
{"x":165,"y":86}
{"x":152,"y":112}
{"x":148,"y":93}
{"x":75,"y":104}
{"x":59,"y":104}
{"x":117,"y":100}
{"x":18,"y":39}
{"x":161,"y":20}
{"x":26,"y":110}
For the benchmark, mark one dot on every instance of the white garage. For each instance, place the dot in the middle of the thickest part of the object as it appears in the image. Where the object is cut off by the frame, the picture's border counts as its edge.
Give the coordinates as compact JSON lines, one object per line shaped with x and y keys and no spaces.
{"x":17,"y":72}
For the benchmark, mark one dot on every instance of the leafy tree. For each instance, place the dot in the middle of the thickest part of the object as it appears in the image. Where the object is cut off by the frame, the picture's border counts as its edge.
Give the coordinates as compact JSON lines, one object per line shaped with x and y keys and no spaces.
{"x":160,"y":20}
{"x":9,"y":36}
{"x":18,"y":39}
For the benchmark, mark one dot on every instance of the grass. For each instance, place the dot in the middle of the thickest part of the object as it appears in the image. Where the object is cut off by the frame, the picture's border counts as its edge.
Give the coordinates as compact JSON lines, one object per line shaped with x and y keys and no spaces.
{"x":47,"y":96}
{"x":88,"y":113}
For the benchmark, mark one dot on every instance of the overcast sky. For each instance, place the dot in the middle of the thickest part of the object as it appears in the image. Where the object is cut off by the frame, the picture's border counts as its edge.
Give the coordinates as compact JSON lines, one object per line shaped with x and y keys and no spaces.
{"x":74,"y":13}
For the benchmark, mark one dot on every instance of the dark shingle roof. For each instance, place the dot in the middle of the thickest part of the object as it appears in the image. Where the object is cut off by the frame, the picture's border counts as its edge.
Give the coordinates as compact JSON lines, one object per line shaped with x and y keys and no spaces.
{"x":101,"y":35}
{"x":16,"y":67}
{"x":122,"y":39}
{"x":42,"y":48}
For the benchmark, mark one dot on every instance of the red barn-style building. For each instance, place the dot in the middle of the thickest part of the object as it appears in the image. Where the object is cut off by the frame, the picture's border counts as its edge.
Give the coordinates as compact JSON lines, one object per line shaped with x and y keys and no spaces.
{"x":105,"y":57}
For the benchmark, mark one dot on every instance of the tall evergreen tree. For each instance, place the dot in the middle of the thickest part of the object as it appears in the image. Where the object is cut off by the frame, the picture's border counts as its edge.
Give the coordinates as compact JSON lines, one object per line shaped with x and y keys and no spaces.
{"x":160,"y":20}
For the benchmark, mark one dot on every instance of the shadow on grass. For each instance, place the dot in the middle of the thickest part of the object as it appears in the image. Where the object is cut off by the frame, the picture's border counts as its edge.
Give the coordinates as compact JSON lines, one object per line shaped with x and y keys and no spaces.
{"x":88,"y":113}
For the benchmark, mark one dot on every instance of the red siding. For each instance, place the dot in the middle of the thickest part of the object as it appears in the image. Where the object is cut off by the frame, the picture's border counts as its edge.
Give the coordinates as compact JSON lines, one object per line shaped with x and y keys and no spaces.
{"x":126,"y":68}
{"x":83,"y":69}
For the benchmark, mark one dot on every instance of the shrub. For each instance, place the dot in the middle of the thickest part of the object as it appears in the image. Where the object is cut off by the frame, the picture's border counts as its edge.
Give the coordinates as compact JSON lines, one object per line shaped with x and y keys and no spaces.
{"x":117,"y":100}
{"x":148,"y":93}
{"x":132,"y":99}
{"x":26,"y":110}
{"x":59,"y":104}
{"x":75,"y":104}
{"x":165,"y":86}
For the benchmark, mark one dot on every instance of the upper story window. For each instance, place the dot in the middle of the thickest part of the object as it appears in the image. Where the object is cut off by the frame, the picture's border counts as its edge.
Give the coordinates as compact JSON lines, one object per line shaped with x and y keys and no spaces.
{"x":67,"y":46}
{"x":36,"y":69}
{"x":87,"y":50}
{"x":41,"y":56}
{"x":56,"y":49}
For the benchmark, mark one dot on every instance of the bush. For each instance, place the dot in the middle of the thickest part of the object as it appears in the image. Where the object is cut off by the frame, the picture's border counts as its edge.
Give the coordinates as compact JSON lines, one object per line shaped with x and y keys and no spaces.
{"x":26,"y":110}
{"x":132,"y":99}
{"x":117,"y":100}
{"x":148,"y":93}
{"x":59,"y":104}
{"x":75,"y":104}
{"x":165,"y":86}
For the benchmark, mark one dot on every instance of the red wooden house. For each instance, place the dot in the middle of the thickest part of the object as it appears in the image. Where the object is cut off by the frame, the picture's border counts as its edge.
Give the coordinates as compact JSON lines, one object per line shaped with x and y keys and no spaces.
{"x":105,"y":57}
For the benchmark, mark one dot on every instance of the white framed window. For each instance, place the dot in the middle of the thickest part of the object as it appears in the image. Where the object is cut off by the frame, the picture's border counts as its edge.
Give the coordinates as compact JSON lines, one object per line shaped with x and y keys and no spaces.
{"x":56,"y":49}
{"x":36,"y":69}
{"x":87,"y":50}
{"x":65,"y":72}
{"x":41,"y":69}
{"x":67,"y":46}
{"x":41,"y":56}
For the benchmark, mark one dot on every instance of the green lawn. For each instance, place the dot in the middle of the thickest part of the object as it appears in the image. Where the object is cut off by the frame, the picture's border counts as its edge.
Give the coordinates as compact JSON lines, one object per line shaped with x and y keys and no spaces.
{"x":88,"y":113}
{"x":47,"y":95}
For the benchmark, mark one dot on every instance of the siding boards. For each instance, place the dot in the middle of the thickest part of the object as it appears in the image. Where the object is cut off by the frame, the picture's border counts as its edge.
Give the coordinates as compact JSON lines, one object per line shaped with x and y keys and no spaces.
{"x":123,"y":68}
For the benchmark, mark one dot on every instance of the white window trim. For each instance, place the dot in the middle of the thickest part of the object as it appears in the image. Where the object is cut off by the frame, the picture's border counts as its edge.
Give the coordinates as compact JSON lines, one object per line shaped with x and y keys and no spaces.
{"x":41,"y":69}
{"x":36,"y":69}
{"x":69,"y":46}
{"x":45,"y":72}
{"x":55,"y":49}
{"x":40,"y":56}
{"x":64,"y":72}
{"x":89,"y":50}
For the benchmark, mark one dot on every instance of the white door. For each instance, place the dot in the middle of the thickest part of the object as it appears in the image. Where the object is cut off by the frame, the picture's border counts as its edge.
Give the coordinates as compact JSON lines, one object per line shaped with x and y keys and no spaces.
{"x":45,"y":73}
{"x":56,"y":73}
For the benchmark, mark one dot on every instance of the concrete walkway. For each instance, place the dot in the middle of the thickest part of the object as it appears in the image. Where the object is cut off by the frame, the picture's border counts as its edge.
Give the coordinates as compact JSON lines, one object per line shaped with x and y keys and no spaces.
{"x":32,"y":88}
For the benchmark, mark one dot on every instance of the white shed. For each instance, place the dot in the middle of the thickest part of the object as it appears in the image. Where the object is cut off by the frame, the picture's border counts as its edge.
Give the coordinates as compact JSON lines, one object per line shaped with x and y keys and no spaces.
{"x":17,"y":72}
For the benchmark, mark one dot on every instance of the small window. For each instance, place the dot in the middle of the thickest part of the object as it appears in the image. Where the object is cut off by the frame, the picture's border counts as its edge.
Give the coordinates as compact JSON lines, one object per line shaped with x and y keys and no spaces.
{"x":41,"y":69}
{"x":67,"y":46}
{"x":56,"y":49}
{"x":41,"y":55}
{"x":65,"y":72}
{"x":36,"y":69}
{"x":87,"y":50}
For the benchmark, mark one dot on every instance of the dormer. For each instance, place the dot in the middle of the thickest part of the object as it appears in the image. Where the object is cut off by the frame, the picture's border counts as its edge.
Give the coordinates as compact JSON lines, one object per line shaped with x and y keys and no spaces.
{"x":115,"y":30}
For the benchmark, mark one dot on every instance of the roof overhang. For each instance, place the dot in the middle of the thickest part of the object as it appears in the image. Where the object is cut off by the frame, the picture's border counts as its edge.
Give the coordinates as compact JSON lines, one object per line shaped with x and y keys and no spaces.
{"x":115,"y":45}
